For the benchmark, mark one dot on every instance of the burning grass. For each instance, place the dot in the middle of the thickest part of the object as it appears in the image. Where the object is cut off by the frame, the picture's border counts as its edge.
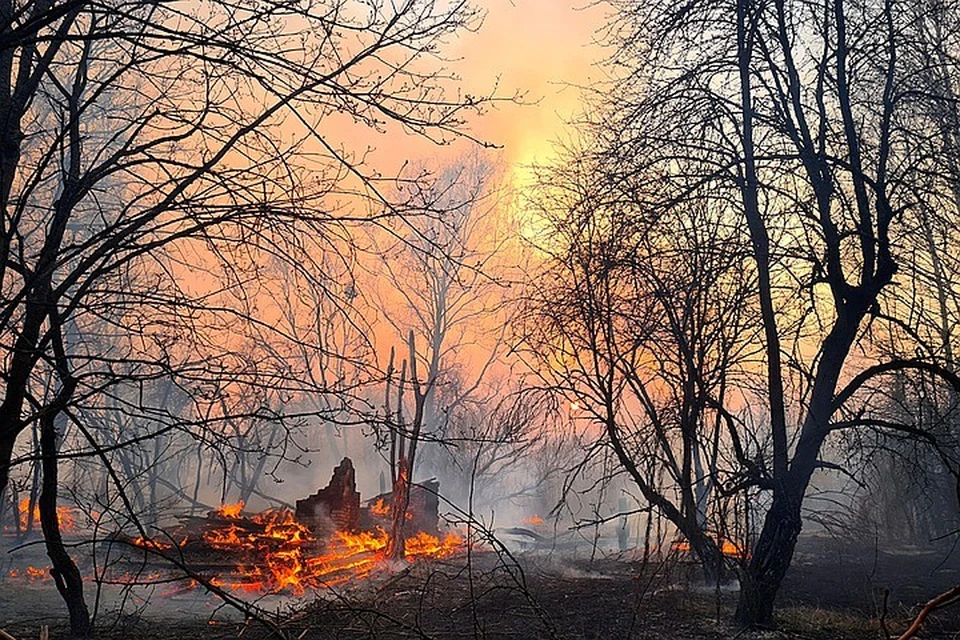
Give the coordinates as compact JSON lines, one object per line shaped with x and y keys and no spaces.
{"x":729,"y":548}
{"x":28,"y":517}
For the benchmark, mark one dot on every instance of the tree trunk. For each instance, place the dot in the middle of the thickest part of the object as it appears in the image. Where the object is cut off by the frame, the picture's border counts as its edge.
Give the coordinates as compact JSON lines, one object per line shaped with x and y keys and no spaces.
{"x":768,"y":565}
{"x":65,"y":573}
{"x":396,"y":548}
{"x":711,"y":560}
{"x":7,"y":441}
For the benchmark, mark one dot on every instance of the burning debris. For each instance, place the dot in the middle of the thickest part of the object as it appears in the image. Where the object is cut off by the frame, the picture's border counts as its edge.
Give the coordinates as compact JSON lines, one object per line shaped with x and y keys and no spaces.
{"x":329,"y":539}
{"x":423,"y":512}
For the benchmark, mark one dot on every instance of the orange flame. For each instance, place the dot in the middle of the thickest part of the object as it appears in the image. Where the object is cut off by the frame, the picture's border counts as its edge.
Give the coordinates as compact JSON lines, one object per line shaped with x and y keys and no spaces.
{"x":380,"y":508}
{"x":231,"y":511}
{"x":728,"y":547}
{"x":32,"y":573}
{"x":159,"y":545}
{"x":64,"y":516}
{"x":281,"y":554}
{"x":275,"y":553}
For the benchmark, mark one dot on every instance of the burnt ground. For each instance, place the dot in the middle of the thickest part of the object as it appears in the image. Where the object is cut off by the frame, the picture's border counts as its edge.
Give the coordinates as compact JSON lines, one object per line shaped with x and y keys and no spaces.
{"x":834,"y":590}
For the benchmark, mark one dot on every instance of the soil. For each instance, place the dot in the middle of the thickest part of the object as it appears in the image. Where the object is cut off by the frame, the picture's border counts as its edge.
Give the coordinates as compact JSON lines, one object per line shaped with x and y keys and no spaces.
{"x":835,"y":590}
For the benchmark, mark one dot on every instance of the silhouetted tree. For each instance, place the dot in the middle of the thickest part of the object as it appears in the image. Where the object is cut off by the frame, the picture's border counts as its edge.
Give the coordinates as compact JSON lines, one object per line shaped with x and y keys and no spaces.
{"x":803,"y":121}
{"x":151,"y":157}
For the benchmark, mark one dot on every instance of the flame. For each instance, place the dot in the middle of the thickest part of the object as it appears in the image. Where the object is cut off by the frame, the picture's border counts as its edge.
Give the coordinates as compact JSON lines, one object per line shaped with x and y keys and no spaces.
{"x":533,"y":520}
{"x":231,"y":511}
{"x":380,"y":508}
{"x":728,"y":547}
{"x":281,"y":554}
{"x":383,"y":509}
{"x":271,"y":552}
{"x":426,"y":545}
{"x":64,"y":516}
{"x":159,"y":545}
{"x":32,"y":574}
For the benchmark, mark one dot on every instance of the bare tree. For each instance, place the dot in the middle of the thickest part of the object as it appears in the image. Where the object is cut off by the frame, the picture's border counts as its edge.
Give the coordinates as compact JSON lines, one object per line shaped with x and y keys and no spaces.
{"x":151,"y":157}
{"x":447,"y":280}
{"x":640,"y":322}
{"x":802,"y":120}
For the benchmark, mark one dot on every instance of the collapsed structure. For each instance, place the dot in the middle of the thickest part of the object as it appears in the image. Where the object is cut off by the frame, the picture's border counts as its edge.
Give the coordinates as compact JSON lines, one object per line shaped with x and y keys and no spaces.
{"x":337,"y":507}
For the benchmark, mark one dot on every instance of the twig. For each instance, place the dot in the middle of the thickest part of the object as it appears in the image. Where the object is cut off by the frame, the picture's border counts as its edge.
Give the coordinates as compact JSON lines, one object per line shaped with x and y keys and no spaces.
{"x":883,"y":615}
{"x":941,"y":600}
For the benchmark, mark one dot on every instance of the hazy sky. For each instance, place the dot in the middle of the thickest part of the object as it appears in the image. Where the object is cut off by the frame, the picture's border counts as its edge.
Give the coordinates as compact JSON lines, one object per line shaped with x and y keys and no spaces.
{"x":534,"y":47}
{"x":537,"y":47}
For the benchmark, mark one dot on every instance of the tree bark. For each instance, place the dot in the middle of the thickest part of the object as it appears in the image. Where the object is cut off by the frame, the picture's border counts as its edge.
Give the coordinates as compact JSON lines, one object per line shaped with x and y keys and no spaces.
{"x":768,"y":566}
{"x":65,"y":573}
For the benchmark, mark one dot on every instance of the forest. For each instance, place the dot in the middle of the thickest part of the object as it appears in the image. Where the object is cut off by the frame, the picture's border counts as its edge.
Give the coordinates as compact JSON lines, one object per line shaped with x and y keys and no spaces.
{"x":480,"y":318}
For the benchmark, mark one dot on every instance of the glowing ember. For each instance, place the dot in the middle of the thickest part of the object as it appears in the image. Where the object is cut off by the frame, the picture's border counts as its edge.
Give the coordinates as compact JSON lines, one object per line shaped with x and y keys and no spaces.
{"x":31,"y":573}
{"x":149,"y":543}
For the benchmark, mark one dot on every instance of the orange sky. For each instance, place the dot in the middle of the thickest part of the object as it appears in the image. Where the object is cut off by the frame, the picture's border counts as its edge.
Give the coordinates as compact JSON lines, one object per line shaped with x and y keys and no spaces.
{"x":533,"y":47}
{"x":538,"y":47}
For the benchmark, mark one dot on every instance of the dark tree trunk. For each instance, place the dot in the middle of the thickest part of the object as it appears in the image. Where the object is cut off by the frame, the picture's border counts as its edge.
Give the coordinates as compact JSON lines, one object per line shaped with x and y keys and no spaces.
{"x":781,"y":527}
{"x":768,"y":566}
{"x":711,"y":561}
{"x":65,"y":573}
{"x":7,"y":441}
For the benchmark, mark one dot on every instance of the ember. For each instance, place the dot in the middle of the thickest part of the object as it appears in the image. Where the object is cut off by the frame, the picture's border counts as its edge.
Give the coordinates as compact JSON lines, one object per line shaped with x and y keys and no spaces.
{"x":31,"y":573}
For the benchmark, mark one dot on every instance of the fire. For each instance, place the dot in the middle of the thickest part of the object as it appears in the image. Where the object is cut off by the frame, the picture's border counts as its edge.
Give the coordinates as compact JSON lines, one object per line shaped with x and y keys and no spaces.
{"x":34,"y":572}
{"x":64,"y":516}
{"x":728,"y":547}
{"x":231,"y":511}
{"x":281,"y":554}
{"x":533,"y":520}
{"x":380,"y":508}
{"x":159,"y":545}
{"x":426,"y":545}
{"x":31,"y":573}
{"x":272,"y":552}
{"x":383,"y":509}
